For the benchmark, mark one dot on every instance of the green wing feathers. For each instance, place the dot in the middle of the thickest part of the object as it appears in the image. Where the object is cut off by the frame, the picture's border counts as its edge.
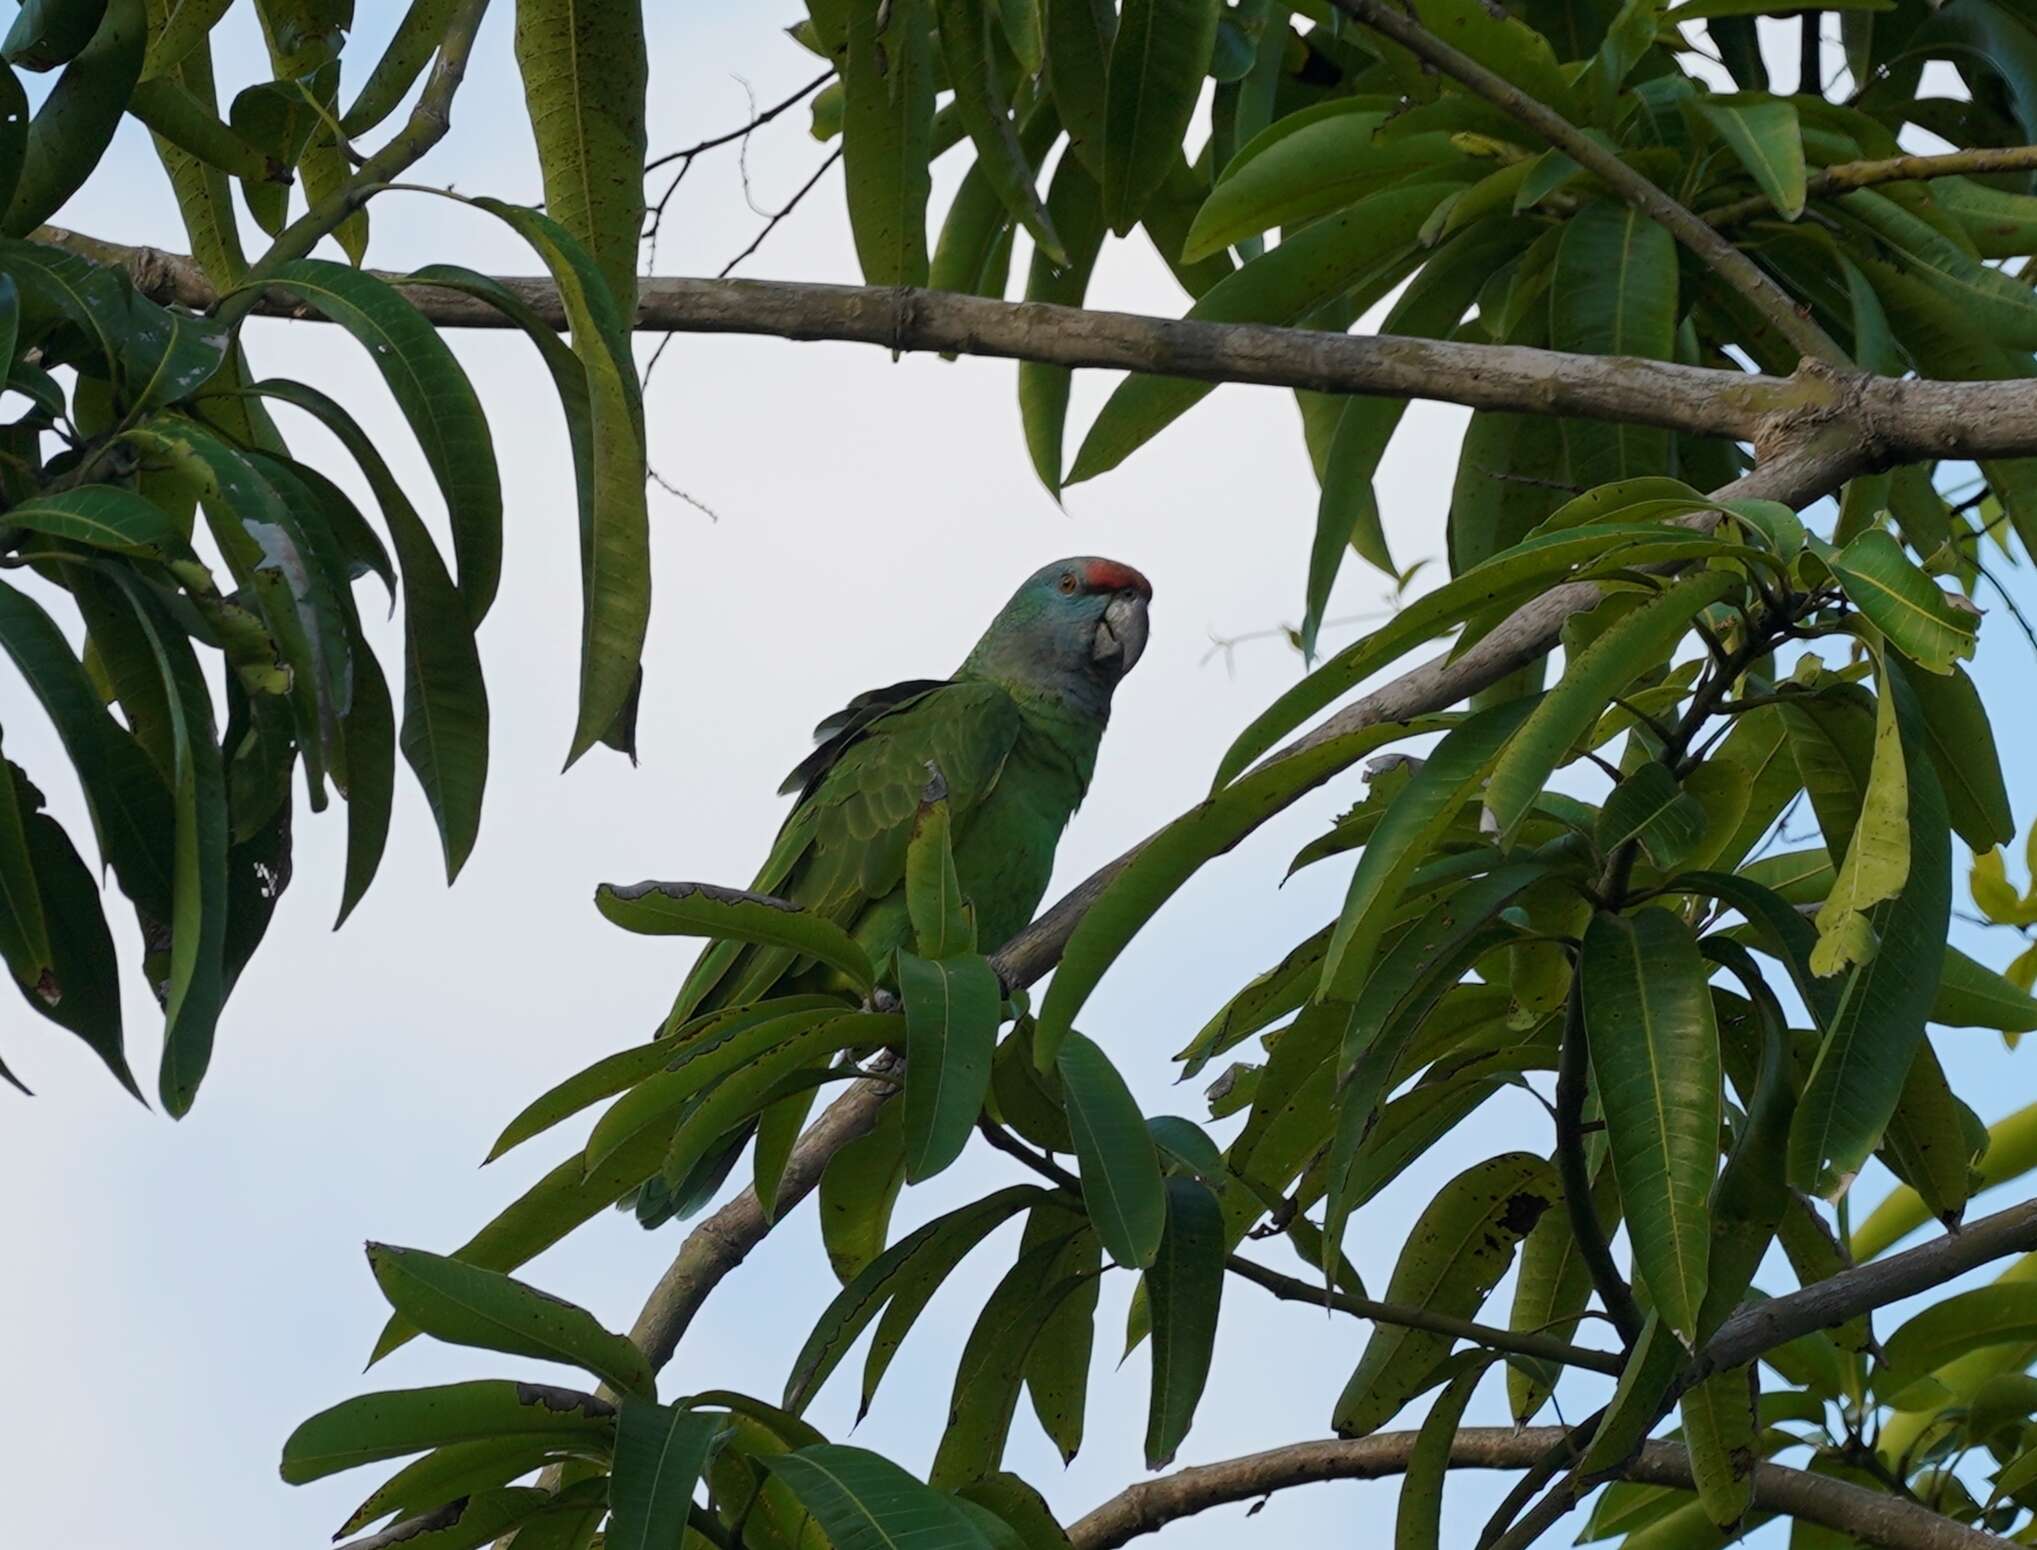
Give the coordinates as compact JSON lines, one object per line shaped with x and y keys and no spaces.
{"x":841,"y":852}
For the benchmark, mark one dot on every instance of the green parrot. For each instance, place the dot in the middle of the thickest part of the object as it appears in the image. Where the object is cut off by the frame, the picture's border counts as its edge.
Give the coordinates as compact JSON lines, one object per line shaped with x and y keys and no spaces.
{"x":1014,"y":734}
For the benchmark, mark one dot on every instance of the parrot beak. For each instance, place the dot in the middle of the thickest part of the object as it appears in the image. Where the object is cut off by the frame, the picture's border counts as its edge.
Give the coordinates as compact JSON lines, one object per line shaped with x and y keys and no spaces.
{"x":1121,"y":633}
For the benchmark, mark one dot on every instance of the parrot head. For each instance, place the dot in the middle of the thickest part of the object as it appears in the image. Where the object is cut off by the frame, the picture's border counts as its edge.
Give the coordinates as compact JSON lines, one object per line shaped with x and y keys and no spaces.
{"x":1073,"y":629}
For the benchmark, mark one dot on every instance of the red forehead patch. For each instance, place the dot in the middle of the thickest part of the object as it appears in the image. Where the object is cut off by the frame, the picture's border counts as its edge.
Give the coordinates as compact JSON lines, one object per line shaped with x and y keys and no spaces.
{"x":1109,"y":576}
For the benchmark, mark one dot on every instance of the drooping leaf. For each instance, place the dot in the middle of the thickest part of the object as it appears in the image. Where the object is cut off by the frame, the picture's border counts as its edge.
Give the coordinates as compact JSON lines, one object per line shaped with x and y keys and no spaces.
{"x":965,"y":29}
{"x":888,"y":110}
{"x":416,"y":39}
{"x":1904,"y":604}
{"x":661,"y":1452}
{"x":1614,"y":292}
{"x":1763,"y":132}
{"x":951,"y":1015}
{"x":1121,"y":1180}
{"x":865,"y":1502}
{"x":1655,"y":1054}
{"x":1157,"y":61}
{"x":1419,"y":1514}
{"x":75,"y":124}
{"x":702,"y":909}
{"x":1999,"y":1314}
{"x":1184,"y":1286}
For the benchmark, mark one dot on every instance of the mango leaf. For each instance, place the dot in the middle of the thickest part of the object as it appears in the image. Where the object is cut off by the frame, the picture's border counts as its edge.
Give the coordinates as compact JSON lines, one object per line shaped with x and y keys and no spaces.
{"x":858,"y":1189}
{"x":449,"y":1473}
{"x":1641,"y":639}
{"x":1877,"y":859}
{"x":1971,"y":995}
{"x":942,"y":922}
{"x":1903,"y":603}
{"x":84,"y":960}
{"x":390,"y":1424}
{"x":966,"y":47}
{"x":466,"y":1305}
{"x":585,"y":71}
{"x":1184,"y":1286}
{"x":1522,"y":571}
{"x":1057,"y":1366}
{"x":1175,"y":855}
{"x":702,"y":909}
{"x":444,"y":734}
{"x":410,"y":49}
{"x":24,"y":928}
{"x":1460,"y":1248}
{"x":661,"y":1452}
{"x":1077,"y":48}
{"x":1553,"y":1289}
{"x":1650,"y":807}
{"x":897,"y":1283}
{"x":1075,"y":204}
{"x":1962,"y":746}
{"x":994,"y":1361}
{"x":1763,"y":132}
{"x":75,"y":124}
{"x":1655,"y":1056}
{"x":887,"y":115}
{"x":1121,"y":1181}
{"x":1156,"y":69}
{"x":1418,"y":1518}
{"x":865,"y":1502}
{"x":1363,"y":246}
{"x":2011,"y":1152}
{"x":436,"y":398}
{"x":1613,"y":291}
{"x":2000,"y":1314}
{"x":951,"y":1016}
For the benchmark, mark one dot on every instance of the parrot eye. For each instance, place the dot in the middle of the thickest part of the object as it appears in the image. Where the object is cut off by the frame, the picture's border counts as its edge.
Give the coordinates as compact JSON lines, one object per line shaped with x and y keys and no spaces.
{"x":1068,"y":583}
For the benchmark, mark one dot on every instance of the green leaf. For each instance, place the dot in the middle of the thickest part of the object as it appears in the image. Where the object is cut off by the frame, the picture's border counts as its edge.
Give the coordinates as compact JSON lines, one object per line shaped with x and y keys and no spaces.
{"x":965,"y":28}
{"x":2011,"y":1152}
{"x":449,"y":1473}
{"x":395,"y":1422}
{"x":951,"y":1016}
{"x":1503,"y":43}
{"x":660,"y":1454}
{"x":1999,"y":1314}
{"x":1157,"y":61}
{"x":196,"y":990}
{"x":1078,"y":44}
{"x":178,"y":116}
{"x":1721,"y":1430}
{"x":1971,"y":995}
{"x":887,"y":114}
{"x":614,"y":522}
{"x":1903,"y":603}
{"x":1962,"y":746}
{"x":585,"y":71}
{"x":370,"y":732}
{"x":1655,"y":1056}
{"x":1522,"y":571}
{"x":1613,"y":291}
{"x":1763,"y":132}
{"x":75,"y":123}
{"x":1057,"y":1366}
{"x":1877,"y":858}
{"x":131,"y":809}
{"x":1175,"y":854}
{"x":865,"y":1502}
{"x":1120,"y":1172}
{"x":1310,"y":171}
{"x":438,"y":400}
{"x":1460,"y":1247}
{"x":1021,"y":1507}
{"x":1184,"y":1286}
{"x":1365,"y":246}
{"x":1876,"y":1011}
{"x":49,"y":33}
{"x":84,"y":960}
{"x":858,"y":1189}
{"x":444,"y":733}
{"x":943,"y":923}
{"x":1418,"y":1520}
{"x":730,"y":914}
{"x":24,"y":929}
{"x":1075,"y":203}
{"x":1650,"y":807}
{"x":900,"y":1280}
{"x":1642,"y":639}
{"x":1553,"y":1289}
{"x":465,"y":1305}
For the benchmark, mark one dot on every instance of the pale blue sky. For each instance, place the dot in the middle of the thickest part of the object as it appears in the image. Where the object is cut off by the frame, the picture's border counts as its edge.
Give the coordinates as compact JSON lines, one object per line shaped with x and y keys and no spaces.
{"x":177,"y":1297}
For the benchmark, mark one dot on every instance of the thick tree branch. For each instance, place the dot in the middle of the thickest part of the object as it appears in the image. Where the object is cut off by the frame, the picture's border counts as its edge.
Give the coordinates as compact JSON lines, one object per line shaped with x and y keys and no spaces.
{"x":1792,"y":322}
{"x":1846,"y":176}
{"x":1869,"y":1516}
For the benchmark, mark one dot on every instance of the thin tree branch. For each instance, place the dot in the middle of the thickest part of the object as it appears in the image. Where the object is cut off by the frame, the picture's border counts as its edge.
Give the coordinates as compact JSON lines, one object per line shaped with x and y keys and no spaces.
{"x":428,"y":124}
{"x":1850,"y":175}
{"x":757,"y":121}
{"x":1791,"y":321}
{"x":1521,"y":1342}
{"x":1869,"y":1516}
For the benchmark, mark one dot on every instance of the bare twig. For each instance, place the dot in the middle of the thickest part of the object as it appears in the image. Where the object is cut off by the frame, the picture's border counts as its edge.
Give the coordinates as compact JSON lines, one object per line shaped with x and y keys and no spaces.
{"x":757,"y":121}
{"x":1791,"y":321}
{"x":1869,"y":1516}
